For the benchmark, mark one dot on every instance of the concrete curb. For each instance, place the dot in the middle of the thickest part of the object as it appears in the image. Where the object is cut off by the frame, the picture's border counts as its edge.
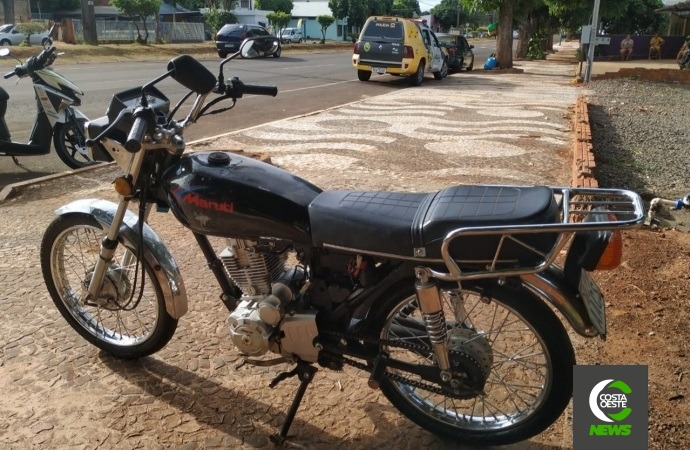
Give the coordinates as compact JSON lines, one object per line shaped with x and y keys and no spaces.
{"x":583,"y":155}
{"x":13,"y":188}
{"x":658,"y":75}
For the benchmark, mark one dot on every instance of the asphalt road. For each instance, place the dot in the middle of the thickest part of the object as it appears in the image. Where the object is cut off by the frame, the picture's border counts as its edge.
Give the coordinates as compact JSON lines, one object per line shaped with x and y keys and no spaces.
{"x":306,"y":83}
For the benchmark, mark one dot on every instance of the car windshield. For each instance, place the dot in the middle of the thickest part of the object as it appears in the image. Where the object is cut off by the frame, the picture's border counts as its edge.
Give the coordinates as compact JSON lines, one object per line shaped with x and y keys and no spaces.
{"x":386,"y":30}
{"x":6,"y":28}
{"x":231,"y":29}
{"x":447,"y":39}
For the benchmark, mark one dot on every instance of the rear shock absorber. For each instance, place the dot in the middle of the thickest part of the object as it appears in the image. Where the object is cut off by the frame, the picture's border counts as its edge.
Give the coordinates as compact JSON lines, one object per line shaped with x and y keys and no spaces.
{"x":431,"y":307}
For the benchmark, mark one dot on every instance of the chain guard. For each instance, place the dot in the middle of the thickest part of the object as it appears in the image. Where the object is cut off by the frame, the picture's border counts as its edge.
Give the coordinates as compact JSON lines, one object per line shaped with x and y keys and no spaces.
{"x":466,"y":369}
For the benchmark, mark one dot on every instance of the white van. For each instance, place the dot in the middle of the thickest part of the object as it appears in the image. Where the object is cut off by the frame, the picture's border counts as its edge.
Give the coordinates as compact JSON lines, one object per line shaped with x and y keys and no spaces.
{"x":291,"y":35}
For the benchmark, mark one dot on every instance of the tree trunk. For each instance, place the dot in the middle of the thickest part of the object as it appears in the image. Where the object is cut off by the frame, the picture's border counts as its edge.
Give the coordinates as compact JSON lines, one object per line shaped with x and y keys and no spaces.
{"x":146,"y":30}
{"x":528,"y":27}
{"x":504,"y":41}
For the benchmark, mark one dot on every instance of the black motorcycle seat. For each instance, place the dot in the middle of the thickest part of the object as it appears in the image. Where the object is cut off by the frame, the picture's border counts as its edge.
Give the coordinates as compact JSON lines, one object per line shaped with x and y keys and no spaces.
{"x":415,"y":224}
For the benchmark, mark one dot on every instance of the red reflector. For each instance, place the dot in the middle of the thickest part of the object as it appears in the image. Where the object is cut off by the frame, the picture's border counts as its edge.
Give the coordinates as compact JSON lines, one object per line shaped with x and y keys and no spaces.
{"x":356,"y":50}
{"x":408,"y":52}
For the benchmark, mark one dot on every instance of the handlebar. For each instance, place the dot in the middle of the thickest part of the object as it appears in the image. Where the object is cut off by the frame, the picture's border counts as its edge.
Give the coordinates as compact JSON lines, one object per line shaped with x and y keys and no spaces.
{"x":236,"y":89}
{"x":40,"y":61}
{"x":253,"y":89}
{"x":136,"y":134}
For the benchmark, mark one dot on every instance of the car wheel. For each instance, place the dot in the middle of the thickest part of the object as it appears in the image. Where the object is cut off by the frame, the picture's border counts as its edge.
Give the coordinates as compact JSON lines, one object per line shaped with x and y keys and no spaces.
{"x":223,"y":54}
{"x":471,"y":66}
{"x":276,"y":54}
{"x":300,"y":41}
{"x":441,"y":74}
{"x":363,"y":75}
{"x":5,"y":42}
{"x":418,"y":76}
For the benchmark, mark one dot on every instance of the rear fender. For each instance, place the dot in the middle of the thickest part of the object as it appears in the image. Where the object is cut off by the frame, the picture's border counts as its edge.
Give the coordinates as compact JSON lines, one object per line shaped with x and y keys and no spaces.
{"x":552,"y":286}
{"x":156,"y":254}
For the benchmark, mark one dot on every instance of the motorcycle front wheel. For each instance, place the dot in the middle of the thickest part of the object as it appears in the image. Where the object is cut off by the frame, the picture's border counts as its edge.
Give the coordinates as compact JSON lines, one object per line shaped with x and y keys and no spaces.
{"x":70,"y":144}
{"x":122,"y":320}
{"x":511,"y":346}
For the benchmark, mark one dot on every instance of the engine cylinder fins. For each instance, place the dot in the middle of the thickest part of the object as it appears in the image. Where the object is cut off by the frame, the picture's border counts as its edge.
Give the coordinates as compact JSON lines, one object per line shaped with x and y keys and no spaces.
{"x":252,"y":272}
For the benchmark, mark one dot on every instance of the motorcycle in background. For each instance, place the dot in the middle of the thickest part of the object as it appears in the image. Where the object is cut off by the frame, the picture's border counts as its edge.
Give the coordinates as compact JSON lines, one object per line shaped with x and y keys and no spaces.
{"x":57,"y":119}
{"x":445,"y":297}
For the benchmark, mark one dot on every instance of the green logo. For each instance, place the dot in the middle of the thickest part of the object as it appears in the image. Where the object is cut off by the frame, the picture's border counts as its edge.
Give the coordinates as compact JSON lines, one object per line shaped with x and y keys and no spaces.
{"x":367,"y":46}
{"x":607,"y":401}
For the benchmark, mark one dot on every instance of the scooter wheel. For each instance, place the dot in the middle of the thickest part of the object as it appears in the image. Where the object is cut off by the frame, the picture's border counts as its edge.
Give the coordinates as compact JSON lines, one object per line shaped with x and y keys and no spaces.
{"x":70,"y":144}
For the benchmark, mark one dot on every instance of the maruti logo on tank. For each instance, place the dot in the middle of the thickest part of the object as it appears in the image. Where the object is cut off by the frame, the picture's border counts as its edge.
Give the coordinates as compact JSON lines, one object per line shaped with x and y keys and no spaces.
{"x":193,"y":199}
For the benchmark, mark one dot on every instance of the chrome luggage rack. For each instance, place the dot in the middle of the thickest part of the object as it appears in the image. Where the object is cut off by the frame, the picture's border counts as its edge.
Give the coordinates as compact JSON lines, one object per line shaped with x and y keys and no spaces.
{"x":576,"y":205}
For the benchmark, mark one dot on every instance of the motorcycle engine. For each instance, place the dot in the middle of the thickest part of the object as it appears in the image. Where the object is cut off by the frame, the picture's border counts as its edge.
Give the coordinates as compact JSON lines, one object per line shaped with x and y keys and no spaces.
{"x":259,"y":323}
{"x":252,"y":271}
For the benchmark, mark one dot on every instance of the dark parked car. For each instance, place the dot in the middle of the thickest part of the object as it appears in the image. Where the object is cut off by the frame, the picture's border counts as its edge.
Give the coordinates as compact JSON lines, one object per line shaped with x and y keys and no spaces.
{"x":460,"y":54}
{"x":229,"y":38}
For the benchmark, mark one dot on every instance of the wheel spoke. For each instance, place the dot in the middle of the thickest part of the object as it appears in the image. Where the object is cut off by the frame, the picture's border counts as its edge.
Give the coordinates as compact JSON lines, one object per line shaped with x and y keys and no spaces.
{"x":485,"y":333}
{"x":75,"y":254}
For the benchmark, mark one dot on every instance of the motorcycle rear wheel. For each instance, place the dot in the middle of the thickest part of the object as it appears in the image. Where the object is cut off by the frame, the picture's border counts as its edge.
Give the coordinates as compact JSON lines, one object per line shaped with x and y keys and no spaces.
{"x":116,"y":322}
{"x":512,"y":338}
{"x":70,"y":144}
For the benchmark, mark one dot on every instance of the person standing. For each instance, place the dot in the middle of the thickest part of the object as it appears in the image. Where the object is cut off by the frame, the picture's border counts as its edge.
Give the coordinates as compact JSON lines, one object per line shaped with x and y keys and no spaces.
{"x":626,"y":48}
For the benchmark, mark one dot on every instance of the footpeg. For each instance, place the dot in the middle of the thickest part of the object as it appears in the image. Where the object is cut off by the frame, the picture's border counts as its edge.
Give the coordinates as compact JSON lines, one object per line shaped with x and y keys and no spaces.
{"x":377,"y":371}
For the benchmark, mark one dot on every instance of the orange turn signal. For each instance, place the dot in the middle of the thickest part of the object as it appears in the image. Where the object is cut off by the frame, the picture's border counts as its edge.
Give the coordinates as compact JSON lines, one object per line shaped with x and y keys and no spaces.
{"x":613,"y":253}
{"x":123,"y":186}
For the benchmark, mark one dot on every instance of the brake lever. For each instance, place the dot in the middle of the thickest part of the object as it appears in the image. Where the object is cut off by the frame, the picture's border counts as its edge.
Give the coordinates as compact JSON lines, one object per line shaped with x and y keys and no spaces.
{"x":116,"y":122}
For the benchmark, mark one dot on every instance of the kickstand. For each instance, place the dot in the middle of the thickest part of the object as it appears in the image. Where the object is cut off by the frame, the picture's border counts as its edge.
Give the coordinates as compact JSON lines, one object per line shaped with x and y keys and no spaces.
{"x":305,"y":372}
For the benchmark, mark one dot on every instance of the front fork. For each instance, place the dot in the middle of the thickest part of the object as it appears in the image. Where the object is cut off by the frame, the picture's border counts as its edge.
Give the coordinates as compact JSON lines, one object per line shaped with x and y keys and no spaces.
{"x":431,"y":307}
{"x":110,"y":241}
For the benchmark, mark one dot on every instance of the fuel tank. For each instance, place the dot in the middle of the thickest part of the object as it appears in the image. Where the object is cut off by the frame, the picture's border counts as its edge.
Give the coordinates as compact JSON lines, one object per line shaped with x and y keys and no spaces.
{"x":224,"y":194}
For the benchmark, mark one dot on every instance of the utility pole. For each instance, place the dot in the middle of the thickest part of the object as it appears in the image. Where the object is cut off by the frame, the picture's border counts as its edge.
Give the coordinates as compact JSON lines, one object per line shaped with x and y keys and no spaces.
{"x":88,"y":21}
{"x":592,"y":40}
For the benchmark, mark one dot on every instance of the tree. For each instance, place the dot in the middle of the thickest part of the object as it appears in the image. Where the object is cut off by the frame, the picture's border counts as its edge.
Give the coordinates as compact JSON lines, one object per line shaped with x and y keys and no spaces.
{"x":450,"y":13}
{"x":29,"y":28}
{"x":504,"y":39}
{"x":138,"y":9}
{"x":216,"y":19}
{"x":325,"y":22}
{"x":357,"y":11}
{"x":406,"y":8}
{"x":279,"y":20}
{"x":274,"y":5}
{"x":49,"y":6}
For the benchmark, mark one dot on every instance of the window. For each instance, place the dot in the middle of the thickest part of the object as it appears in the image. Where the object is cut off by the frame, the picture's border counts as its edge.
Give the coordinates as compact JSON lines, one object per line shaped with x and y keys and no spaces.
{"x":384,"y":30}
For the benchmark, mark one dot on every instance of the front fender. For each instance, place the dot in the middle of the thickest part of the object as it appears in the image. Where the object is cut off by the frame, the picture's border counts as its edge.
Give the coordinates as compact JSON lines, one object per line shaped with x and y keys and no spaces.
{"x":157,"y":255}
{"x":552,"y":287}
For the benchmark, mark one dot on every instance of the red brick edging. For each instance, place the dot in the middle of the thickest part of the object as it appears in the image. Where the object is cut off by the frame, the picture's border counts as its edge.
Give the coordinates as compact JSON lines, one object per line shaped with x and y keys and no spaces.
{"x":583,"y":156}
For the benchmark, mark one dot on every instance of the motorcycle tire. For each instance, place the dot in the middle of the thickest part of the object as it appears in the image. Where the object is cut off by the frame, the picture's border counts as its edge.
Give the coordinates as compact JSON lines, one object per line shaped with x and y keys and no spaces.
{"x":70,"y":145}
{"x":515,"y":349}
{"x":118,"y":321}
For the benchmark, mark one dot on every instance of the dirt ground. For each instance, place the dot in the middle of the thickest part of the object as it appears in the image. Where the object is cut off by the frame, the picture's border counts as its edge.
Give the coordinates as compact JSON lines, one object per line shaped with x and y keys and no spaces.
{"x":648,"y":308}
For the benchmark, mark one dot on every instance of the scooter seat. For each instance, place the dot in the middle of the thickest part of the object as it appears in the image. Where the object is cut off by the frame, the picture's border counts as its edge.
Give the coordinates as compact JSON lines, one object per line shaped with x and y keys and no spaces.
{"x":411,"y":225}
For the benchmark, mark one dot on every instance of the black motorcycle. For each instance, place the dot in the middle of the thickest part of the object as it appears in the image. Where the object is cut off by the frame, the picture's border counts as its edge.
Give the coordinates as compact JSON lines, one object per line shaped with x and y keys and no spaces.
{"x":446,"y":298}
{"x":57,"y":119}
